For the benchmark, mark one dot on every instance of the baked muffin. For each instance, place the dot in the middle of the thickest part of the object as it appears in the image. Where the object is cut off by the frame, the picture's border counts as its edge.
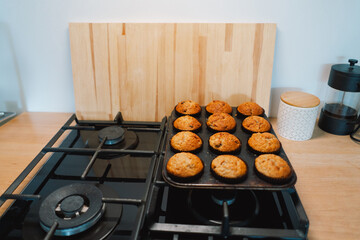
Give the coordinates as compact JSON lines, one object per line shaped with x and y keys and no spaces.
{"x":255,"y":124}
{"x":264,"y":143}
{"x":229,"y":168}
{"x":187,"y":123}
{"x":272,"y":168}
{"x":249,"y":109}
{"x":224,"y":142}
{"x":221,"y":122}
{"x":217,"y":106}
{"x":188,"y":107}
{"x":184,"y":166}
{"x":186,"y":141}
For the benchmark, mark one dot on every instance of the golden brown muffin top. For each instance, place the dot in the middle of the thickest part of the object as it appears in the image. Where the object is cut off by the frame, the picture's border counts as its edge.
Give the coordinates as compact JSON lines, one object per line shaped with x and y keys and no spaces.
{"x":256,"y":124}
{"x":224,"y":142}
{"x":272,"y":166}
{"x":184,"y":165}
{"x":229,"y":166}
{"x":186,"y":141}
{"x":188,"y":107}
{"x":187,"y":122}
{"x":264,"y":142}
{"x":217,"y":106}
{"x":221,"y":122}
{"x":250,"y":109}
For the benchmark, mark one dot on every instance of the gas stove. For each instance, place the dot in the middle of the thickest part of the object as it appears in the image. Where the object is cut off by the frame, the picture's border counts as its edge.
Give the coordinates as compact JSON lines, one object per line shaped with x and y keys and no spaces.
{"x":104,"y":181}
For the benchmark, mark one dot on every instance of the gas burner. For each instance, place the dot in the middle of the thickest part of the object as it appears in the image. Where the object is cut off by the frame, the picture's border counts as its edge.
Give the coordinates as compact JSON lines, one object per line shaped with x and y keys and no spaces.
{"x":221,"y":196}
{"x":206,"y":206}
{"x":113,"y":134}
{"x":117,"y":138}
{"x":79,"y":211}
{"x":75,"y":207}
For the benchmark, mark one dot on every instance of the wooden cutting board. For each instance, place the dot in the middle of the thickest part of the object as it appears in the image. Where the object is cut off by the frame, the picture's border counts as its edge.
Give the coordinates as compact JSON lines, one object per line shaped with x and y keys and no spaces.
{"x":145,"y":69}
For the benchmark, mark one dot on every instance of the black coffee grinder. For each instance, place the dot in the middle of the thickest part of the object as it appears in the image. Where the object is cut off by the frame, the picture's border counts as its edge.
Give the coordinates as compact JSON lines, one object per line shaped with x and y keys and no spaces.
{"x":340,"y":113}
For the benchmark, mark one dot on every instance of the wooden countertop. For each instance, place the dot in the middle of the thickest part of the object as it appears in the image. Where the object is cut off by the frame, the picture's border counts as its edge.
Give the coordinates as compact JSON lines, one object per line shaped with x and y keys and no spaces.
{"x":327,"y":167}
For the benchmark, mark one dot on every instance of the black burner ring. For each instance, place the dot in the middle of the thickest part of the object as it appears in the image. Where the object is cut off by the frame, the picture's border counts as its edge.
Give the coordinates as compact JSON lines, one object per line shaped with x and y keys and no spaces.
{"x":202,"y":204}
{"x":31,"y":229}
{"x":113,"y":134}
{"x":92,"y":197}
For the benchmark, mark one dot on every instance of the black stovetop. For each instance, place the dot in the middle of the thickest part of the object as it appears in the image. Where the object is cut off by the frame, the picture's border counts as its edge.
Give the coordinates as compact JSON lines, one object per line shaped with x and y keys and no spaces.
{"x":138,"y":203}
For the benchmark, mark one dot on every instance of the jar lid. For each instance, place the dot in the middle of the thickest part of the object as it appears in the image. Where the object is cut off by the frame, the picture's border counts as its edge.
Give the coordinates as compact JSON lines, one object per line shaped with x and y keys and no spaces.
{"x":300,"y":99}
{"x":345,"y":77}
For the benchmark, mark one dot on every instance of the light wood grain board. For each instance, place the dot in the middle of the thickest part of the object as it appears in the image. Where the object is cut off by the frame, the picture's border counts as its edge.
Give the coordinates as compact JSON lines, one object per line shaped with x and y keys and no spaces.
{"x":145,"y":69}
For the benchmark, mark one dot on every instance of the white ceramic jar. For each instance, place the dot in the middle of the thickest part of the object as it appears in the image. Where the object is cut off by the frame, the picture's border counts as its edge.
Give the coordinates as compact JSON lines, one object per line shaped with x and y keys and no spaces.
{"x":297,"y":115}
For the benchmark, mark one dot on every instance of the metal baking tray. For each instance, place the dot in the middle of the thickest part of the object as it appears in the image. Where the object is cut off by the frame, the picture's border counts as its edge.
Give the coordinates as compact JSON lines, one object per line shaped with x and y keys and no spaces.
{"x":207,"y":180}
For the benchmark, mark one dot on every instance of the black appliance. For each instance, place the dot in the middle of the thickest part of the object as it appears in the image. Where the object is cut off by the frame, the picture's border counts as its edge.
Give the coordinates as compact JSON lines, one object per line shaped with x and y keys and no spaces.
{"x":104,"y":181}
{"x":340,"y":113}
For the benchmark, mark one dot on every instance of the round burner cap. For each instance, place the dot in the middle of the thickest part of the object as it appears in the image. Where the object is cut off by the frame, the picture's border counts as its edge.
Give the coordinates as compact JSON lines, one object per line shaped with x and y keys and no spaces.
{"x":113,"y":134}
{"x":72,"y":204}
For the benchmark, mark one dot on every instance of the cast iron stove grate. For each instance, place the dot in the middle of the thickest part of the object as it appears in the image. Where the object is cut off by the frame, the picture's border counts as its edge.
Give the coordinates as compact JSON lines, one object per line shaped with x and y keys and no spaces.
{"x":83,"y":186}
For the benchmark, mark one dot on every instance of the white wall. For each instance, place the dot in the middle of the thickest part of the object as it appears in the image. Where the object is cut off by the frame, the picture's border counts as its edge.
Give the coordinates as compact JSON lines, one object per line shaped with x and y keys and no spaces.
{"x":311,"y":36}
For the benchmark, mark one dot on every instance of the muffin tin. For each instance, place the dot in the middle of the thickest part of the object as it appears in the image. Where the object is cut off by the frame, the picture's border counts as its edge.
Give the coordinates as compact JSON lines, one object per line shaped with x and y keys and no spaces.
{"x":207,"y":180}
